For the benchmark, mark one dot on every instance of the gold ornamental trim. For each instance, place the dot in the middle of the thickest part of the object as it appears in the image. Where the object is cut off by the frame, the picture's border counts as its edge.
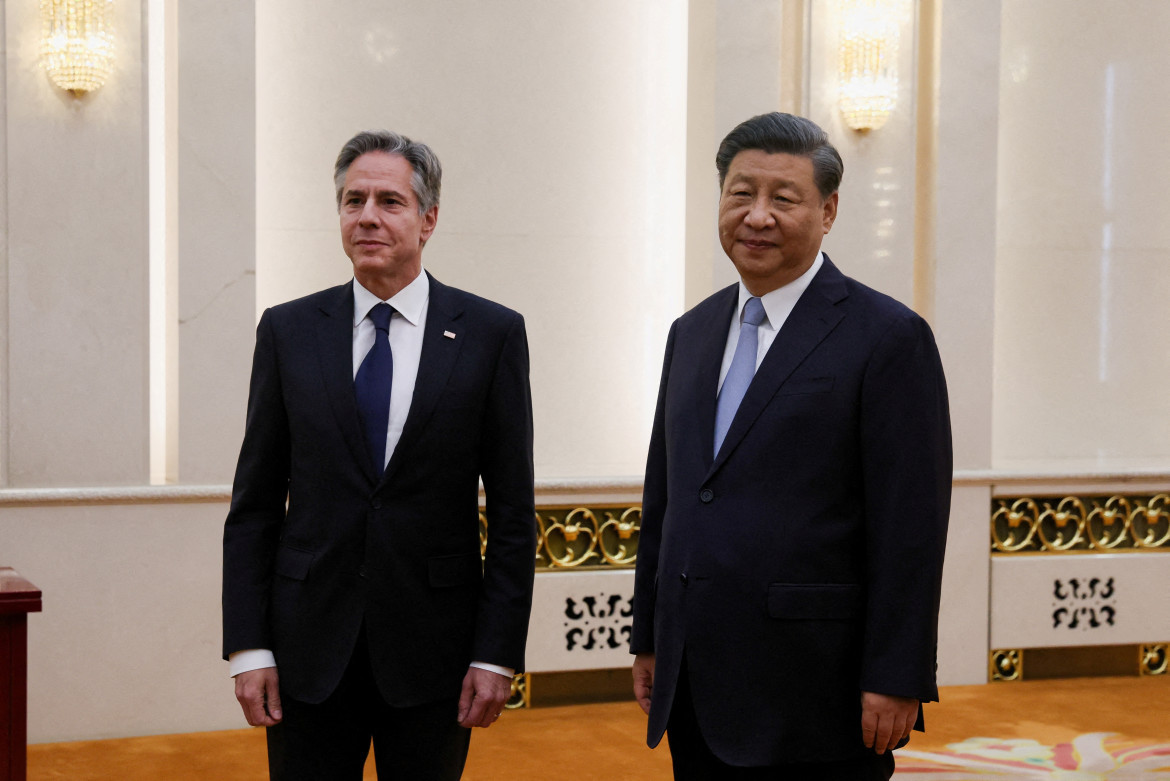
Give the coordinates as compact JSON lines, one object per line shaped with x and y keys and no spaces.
{"x":519,"y":697}
{"x":581,"y":538}
{"x":1152,"y":658}
{"x":1006,"y":664}
{"x":1080,"y":524}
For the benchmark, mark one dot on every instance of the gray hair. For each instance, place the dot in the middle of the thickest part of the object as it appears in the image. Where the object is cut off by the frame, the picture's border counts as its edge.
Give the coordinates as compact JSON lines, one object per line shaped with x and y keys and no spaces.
{"x":426,"y":179}
{"x":787,"y":134}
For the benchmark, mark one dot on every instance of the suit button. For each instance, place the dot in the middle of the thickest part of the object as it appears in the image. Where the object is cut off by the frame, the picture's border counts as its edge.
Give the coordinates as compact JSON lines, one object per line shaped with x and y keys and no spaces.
{"x":706,"y":495}
{"x":363,"y":572}
{"x":683,"y":578}
{"x":376,"y":504}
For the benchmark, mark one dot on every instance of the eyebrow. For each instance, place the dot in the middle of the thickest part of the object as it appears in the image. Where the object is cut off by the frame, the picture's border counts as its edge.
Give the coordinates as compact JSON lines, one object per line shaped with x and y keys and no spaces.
{"x":364,"y":190}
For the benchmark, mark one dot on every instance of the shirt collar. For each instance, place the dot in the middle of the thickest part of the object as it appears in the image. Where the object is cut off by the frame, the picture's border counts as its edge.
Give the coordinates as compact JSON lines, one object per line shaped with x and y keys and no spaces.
{"x":408,"y":302}
{"x":779,"y":303}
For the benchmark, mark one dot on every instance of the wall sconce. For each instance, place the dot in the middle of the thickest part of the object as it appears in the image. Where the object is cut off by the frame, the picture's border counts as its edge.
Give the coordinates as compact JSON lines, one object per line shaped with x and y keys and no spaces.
{"x":868,"y":61}
{"x":77,"y":43}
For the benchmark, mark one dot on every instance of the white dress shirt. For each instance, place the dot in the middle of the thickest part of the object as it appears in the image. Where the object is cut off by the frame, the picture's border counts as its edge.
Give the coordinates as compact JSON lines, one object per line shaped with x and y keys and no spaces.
{"x":778,"y":305}
{"x":406,"y":339}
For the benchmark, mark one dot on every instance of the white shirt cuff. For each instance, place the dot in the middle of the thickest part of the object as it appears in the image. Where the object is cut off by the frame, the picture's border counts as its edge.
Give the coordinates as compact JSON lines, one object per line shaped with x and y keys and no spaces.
{"x":253,"y":659}
{"x":492,"y":668}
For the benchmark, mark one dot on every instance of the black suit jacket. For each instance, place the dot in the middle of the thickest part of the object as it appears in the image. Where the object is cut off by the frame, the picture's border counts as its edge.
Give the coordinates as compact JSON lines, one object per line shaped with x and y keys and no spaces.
{"x":801,"y":565}
{"x":401,"y":552}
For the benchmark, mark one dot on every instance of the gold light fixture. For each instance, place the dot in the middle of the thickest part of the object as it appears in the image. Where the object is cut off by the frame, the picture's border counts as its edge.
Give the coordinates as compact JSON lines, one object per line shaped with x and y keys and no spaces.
{"x":77,"y":43}
{"x":868,"y":61}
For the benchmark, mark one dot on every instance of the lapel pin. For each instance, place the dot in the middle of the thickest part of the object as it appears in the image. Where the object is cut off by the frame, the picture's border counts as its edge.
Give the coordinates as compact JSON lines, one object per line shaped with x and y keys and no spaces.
{"x":449,"y":334}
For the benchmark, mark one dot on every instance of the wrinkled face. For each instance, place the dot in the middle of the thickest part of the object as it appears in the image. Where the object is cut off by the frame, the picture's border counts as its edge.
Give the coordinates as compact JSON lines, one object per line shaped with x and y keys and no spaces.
{"x":772,"y":218}
{"x":381,"y":229}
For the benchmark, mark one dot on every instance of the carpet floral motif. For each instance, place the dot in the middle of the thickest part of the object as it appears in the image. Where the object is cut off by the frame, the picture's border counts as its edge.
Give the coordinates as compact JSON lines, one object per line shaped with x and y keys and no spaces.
{"x":1098,"y":756}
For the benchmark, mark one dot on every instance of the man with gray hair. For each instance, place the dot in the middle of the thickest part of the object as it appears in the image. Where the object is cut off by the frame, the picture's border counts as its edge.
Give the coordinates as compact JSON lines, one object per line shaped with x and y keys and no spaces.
{"x":796,"y":496}
{"x":358,"y":606}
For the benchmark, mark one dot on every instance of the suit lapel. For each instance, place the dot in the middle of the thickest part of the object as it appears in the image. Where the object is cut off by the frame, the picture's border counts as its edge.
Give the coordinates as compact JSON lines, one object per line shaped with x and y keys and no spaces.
{"x":439,"y":353}
{"x":711,"y":350}
{"x":815,"y":315}
{"x":335,"y":353}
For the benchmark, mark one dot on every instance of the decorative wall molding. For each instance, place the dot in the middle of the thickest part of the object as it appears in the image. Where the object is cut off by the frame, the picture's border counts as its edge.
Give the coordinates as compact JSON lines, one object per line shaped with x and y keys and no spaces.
{"x":617,"y":490}
{"x":1081,"y":524}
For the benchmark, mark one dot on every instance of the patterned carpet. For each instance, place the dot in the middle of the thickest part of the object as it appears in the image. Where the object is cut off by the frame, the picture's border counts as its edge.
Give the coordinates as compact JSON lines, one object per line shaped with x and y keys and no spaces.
{"x":1085,"y":729}
{"x":1099,"y":755}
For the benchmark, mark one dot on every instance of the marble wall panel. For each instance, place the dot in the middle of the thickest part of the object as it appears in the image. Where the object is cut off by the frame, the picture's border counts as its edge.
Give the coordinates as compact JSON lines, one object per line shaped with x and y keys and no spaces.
{"x":1083,"y":247}
{"x":77,"y":325}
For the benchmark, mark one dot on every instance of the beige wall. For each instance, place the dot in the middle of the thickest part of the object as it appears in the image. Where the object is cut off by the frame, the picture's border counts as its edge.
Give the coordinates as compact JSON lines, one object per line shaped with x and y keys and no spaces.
{"x":1014,"y":198}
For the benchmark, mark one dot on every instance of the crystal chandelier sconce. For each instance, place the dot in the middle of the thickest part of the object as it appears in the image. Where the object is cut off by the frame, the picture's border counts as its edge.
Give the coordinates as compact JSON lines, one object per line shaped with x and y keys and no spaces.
{"x":868,"y":61}
{"x":77,"y":43}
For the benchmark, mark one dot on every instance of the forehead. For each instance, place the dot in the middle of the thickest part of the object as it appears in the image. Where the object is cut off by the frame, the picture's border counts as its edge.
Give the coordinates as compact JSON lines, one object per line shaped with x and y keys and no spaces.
{"x":381,"y":171}
{"x":773,"y":167}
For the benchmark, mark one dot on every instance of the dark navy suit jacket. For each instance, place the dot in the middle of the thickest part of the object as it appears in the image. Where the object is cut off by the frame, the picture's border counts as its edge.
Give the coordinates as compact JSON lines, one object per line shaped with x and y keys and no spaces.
{"x":801,"y":565}
{"x":400,"y":552}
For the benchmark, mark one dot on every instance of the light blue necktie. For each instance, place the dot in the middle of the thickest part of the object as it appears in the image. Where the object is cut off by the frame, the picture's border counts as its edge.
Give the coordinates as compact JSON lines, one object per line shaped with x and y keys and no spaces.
{"x":372,"y":385}
{"x":743,"y":368}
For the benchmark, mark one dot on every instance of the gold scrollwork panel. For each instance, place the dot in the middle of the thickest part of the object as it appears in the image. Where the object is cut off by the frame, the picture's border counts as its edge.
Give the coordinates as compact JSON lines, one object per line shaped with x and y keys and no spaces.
{"x":1080,"y":524}
{"x":1006,"y":665}
{"x":582,"y":537}
{"x":519,"y":697}
{"x":1152,"y":658}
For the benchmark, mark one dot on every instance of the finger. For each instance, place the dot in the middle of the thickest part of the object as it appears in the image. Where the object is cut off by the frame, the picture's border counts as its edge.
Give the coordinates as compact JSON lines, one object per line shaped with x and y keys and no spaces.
{"x":868,"y":728}
{"x":272,"y":701}
{"x":493,"y":707}
{"x":881,"y":741}
{"x":465,"y":698}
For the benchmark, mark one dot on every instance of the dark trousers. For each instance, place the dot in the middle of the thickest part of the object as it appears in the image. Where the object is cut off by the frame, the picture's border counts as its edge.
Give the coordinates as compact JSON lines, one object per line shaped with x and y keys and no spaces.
{"x":330,"y":741}
{"x":694,"y":761}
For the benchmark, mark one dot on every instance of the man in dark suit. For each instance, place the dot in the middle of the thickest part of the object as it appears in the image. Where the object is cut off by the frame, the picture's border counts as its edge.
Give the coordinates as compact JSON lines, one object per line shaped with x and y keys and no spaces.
{"x":796,"y":496}
{"x":356,"y":604}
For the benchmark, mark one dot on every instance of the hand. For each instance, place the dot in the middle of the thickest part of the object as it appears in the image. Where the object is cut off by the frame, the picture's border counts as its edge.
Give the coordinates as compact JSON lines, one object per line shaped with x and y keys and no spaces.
{"x":886,"y":720}
{"x":482,"y":700}
{"x":644,"y":680}
{"x":259,"y":694}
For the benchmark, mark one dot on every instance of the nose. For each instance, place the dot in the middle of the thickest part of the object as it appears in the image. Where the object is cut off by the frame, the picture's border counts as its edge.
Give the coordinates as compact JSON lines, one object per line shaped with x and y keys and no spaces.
{"x":369,"y":213}
{"x":758,"y":215}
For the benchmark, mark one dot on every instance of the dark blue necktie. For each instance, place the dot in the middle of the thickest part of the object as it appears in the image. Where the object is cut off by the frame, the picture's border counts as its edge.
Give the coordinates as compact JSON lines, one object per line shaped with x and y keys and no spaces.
{"x":743,"y":368}
{"x":372,"y":384}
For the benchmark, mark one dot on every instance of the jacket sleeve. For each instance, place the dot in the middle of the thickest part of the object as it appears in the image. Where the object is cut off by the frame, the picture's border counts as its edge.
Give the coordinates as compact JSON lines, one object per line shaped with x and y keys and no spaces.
{"x":907,"y":463}
{"x":654,"y":497}
{"x":259,"y":492}
{"x":507,"y":472}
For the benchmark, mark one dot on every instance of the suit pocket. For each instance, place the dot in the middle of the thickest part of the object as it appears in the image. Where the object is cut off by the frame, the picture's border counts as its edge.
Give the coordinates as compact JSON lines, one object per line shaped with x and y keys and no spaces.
{"x":814,"y":601}
{"x":809,"y":385}
{"x":457,"y":570}
{"x":293,"y":562}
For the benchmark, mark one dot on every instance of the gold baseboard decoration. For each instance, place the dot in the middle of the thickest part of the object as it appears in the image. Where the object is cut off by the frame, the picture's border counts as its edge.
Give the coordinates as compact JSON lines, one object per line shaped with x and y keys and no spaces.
{"x":1090,"y":661}
{"x":1080,"y":524}
{"x":579,"y":538}
{"x":519,"y":696}
{"x":1152,"y":658}
{"x":1005,"y":665}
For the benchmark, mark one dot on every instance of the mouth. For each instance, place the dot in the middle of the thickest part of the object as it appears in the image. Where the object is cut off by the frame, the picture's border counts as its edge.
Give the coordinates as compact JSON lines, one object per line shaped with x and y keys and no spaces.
{"x":757,"y":244}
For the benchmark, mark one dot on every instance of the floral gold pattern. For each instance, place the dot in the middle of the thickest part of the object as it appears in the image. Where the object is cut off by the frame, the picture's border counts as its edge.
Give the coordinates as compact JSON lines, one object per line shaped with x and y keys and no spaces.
{"x":1153,"y":658}
{"x":582,"y":537}
{"x":1006,"y":665}
{"x":1103,"y":524}
{"x":519,"y":697}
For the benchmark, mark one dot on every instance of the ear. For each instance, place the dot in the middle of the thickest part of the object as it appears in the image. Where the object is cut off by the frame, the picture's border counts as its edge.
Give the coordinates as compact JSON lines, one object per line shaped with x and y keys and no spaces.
{"x":829,"y":213}
{"x":429,"y":219}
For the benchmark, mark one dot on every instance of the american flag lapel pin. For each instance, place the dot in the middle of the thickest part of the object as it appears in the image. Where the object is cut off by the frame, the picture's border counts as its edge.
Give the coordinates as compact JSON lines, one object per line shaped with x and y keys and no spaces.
{"x":449,"y":334}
